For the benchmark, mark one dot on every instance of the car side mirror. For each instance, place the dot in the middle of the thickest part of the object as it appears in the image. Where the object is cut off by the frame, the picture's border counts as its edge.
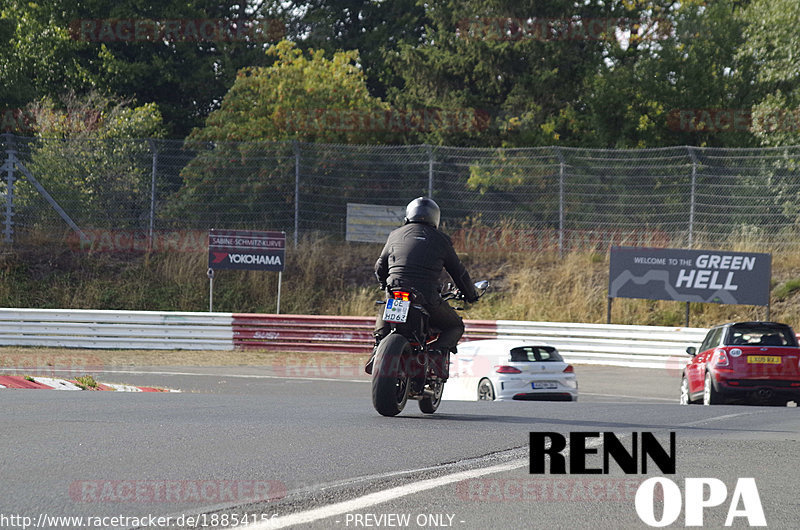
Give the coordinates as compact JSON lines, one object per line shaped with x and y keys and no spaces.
{"x":691,"y":350}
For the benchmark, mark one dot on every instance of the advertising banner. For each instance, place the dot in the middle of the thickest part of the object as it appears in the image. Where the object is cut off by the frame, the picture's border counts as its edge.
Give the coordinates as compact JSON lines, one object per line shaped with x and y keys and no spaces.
{"x":246,"y":250}
{"x":711,"y":276}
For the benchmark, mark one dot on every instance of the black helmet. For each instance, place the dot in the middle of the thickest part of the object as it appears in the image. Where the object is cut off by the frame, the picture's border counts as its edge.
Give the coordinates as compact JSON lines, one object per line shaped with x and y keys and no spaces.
{"x":423,"y":210}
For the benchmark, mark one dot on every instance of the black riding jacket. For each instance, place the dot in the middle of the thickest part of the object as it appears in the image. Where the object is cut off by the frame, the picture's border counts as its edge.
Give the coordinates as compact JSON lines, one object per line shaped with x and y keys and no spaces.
{"x":415,"y":255}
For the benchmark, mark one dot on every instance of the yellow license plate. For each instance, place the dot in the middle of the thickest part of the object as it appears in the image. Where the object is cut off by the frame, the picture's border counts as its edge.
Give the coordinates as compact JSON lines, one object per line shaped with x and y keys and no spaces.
{"x":763,"y":359}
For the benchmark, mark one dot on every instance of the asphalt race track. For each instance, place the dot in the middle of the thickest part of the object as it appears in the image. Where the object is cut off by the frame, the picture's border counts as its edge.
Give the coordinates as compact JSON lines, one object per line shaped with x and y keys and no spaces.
{"x":244,"y":444}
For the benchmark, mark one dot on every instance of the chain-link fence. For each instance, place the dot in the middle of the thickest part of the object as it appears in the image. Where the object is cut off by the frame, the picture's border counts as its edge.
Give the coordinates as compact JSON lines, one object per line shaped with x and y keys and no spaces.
{"x":511,"y":199}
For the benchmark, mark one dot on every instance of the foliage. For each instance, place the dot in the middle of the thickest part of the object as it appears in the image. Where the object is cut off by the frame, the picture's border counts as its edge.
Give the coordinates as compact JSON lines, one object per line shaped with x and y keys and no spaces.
{"x":85,"y":382}
{"x":539,"y":286}
{"x":302,"y":96}
{"x":37,"y":56}
{"x":98,"y":166}
{"x":293,"y":98}
{"x":375,"y":29}
{"x":46,"y":52}
{"x":772,"y":40}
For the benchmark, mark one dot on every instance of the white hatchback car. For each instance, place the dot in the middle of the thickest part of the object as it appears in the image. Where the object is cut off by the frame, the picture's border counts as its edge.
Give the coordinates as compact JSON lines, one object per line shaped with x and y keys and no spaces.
{"x":508,"y":369}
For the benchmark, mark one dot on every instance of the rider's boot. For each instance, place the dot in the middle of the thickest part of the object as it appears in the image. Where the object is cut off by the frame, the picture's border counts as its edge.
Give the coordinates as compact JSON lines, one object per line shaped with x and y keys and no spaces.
{"x":441,"y":360}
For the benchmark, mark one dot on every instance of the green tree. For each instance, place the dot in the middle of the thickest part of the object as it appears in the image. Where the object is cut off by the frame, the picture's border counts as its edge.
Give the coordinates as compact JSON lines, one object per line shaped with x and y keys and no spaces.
{"x":494,"y":56}
{"x":90,"y":157}
{"x":37,"y":55}
{"x":676,"y":87}
{"x":772,"y":40}
{"x":375,"y":29}
{"x":303,"y":96}
{"x":53,"y":47}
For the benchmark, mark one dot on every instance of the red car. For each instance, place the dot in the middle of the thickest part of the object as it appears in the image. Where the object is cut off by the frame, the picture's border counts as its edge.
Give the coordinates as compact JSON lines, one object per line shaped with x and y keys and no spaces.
{"x":744,"y":362}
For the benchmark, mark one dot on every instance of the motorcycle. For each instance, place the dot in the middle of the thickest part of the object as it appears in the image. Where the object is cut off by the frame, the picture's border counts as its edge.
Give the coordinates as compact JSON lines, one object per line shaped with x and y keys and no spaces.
{"x":404,"y":366}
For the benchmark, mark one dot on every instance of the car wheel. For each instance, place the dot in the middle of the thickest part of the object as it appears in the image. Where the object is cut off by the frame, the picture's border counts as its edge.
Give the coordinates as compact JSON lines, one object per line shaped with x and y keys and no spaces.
{"x":710,"y":395}
{"x":485,"y":390}
{"x":685,"y":399}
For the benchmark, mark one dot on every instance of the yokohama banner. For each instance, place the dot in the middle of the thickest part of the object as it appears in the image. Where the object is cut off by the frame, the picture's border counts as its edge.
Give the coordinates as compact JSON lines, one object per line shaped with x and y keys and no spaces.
{"x":714,"y":276}
{"x":246,"y":250}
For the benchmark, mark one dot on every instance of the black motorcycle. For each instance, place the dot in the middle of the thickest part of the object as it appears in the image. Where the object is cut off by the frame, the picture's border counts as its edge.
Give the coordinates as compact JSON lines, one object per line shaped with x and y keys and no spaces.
{"x":404,"y":367}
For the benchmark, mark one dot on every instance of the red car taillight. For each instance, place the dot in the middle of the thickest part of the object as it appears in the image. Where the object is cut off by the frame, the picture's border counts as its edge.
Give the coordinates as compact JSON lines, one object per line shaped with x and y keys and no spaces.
{"x":402,"y":295}
{"x":721,"y":357}
{"x":507,"y":370}
{"x":569,"y":369}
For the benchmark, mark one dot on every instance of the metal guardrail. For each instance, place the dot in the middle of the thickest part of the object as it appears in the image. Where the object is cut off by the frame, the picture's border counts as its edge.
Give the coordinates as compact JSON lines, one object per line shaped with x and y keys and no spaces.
{"x":610,"y":345}
{"x":141,"y":330}
{"x":614,"y":345}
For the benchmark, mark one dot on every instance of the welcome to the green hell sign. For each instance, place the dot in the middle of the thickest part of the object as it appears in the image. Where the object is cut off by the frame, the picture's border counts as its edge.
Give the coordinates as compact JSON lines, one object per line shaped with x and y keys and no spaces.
{"x":690,"y":275}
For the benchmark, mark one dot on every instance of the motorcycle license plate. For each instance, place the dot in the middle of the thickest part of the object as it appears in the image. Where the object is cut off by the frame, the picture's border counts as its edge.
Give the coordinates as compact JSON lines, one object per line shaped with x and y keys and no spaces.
{"x":396,"y":310}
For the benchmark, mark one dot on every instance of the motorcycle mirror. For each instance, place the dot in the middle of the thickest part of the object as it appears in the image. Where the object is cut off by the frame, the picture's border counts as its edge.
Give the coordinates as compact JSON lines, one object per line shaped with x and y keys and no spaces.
{"x":482,"y":285}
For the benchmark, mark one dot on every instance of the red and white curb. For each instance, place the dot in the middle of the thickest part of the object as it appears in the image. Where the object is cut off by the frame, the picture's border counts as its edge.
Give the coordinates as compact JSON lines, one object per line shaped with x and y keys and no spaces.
{"x":50,"y":383}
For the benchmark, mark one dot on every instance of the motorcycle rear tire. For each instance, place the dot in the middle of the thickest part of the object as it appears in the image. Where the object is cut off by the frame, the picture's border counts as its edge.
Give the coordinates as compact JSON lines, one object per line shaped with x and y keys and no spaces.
{"x":390,"y":382}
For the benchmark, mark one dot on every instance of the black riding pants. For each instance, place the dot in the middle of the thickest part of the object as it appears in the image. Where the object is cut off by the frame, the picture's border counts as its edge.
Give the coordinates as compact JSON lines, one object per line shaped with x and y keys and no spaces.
{"x":443,"y":317}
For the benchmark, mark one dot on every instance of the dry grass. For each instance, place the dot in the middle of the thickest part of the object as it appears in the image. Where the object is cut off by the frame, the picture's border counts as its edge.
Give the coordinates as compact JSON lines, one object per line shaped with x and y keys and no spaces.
{"x":324,"y":276}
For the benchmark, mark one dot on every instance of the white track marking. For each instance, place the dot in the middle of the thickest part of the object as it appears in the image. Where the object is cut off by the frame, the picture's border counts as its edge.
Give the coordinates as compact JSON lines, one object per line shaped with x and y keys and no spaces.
{"x":717,"y":418}
{"x":673,"y":400}
{"x":379,"y":497}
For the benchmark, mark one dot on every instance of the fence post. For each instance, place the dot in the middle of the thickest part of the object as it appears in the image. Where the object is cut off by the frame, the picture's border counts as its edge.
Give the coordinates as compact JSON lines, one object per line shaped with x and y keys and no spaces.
{"x":561,"y":168}
{"x":693,"y":156}
{"x":430,"y":170}
{"x":152,"y":194}
{"x":8,"y":229}
{"x":296,"y":146}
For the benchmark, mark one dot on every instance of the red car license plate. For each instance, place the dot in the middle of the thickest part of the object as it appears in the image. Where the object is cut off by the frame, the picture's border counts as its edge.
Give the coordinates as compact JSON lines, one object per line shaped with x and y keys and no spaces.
{"x":763,"y":359}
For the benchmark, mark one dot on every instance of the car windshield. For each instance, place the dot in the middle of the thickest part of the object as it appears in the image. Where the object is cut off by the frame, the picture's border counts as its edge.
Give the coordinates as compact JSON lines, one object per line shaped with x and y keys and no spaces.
{"x":535,"y":353}
{"x":755,"y":335}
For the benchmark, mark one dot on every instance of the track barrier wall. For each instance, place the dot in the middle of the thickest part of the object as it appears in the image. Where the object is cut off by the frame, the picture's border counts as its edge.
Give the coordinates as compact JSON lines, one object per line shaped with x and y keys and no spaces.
{"x":602,"y":344}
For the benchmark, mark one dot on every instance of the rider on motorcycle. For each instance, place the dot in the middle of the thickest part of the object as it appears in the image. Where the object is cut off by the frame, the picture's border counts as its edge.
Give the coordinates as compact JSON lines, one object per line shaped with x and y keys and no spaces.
{"x":414,"y":256}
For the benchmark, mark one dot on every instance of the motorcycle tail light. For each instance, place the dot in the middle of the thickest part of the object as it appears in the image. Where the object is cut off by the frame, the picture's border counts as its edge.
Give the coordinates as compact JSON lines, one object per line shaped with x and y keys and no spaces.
{"x":569,"y":369}
{"x":402,"y":295}
{"x":721,"y":357}
{"x":507,"y":370}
